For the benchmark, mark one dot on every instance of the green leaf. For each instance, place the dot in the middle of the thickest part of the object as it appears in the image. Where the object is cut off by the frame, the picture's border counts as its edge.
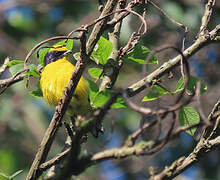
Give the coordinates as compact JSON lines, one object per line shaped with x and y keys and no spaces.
{"x":187,"y":117}
{"x":42,"y":54}
{"x":102,"y":51}
{"x":37,"y":93}
{"x":101,"y":98}
{"x":191,"y":85}
{"x":95,"y":72}
{"x":155,"y":93}
{"x":139,"y":54}
{"x":33,"y":70}
{"x":98,"y":99}
{"x":153,"y":60}
{"x":16,"y":68}
{"x":14,"y":62}
{"x":120,"y":103}
{"x":69,"y":44}
{"x":94,"y":89}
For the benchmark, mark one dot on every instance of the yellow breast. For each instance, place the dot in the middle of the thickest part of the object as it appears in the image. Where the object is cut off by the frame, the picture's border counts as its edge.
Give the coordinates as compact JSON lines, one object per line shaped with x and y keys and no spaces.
{"x":55,"y":78}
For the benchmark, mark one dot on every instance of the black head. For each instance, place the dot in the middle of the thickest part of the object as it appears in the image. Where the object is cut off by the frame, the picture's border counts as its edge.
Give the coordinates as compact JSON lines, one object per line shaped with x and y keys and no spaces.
{"x":53,"y":56}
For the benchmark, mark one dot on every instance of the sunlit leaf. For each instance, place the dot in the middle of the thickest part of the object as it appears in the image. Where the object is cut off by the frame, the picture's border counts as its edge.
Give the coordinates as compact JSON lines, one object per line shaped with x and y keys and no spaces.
{"x":187,"y":117}
{"x":42,"y":55}
{"x":68,"y":45}
{"x":102,"y":51}
{"x":33,"y":70}
{"x":98,"y":99}
{"x":18,"y":67}
{"x":139,"y":55}
{"x":120,"y":103}
{"x":14,"y":62}
{"x":191,"y":85}
{"x":155,"y":92}
{"x":95,"y":72}
{"x":101,"y":98}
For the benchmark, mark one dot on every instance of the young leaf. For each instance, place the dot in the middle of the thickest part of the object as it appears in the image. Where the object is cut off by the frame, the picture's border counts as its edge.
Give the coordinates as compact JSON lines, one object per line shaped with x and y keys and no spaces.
{"x":16,"y":68}
{"x":98,"y":99}
{"x":187,"y":117}
{"x":139,"y":54}
{"x":95,"y":72}
{"x":42,"y":54}
{"x":69,"y":44}
{"x":102,"y":51}
{"x":191,"y":85}
{"x":155,"y":93}
{"x":33,"y":70}
{"x":14,"y":62}
{"x":101,"y":98}
{"x":120,"y":103}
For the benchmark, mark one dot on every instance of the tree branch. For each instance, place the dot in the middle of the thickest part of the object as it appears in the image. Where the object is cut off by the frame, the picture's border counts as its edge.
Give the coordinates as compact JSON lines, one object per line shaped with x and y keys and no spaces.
{"x":206,"y":17}
{"x":167,"y":66}
{"x":204,"y":146}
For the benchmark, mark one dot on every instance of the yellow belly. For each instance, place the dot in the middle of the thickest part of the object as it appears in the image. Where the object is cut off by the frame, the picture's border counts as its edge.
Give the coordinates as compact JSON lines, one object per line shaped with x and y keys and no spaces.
{"x":55,"y":78}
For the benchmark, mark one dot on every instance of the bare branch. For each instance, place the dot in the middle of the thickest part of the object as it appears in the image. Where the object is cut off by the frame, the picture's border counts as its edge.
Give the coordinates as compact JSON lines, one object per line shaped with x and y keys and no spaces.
{"x":206,"y":17}
{"x":204,"y":146}
{"x":167,"y":66}
{"x":111,"y":69}
{"x":4,"y":66}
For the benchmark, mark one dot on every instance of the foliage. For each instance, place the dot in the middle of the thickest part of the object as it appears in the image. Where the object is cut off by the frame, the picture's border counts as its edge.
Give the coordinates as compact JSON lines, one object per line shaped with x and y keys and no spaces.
{"x":24,"y":118}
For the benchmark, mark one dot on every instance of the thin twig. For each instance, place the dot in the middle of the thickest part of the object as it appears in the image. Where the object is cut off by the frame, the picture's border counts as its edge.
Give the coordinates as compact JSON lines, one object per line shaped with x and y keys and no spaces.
{"x":206,"y":17}
{"x":168,"y":17}
{"x":12,"y":79}
{"x":111,"y":69}
{"x":4,"y":66}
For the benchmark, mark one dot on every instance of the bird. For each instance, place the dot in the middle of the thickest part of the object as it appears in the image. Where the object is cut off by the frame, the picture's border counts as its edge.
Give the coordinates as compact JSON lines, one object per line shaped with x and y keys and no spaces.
{"x":55,"y":77}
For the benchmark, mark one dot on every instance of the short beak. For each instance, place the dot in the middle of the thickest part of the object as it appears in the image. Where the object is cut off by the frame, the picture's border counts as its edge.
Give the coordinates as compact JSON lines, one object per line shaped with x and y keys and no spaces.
{"x":67,"y":52}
